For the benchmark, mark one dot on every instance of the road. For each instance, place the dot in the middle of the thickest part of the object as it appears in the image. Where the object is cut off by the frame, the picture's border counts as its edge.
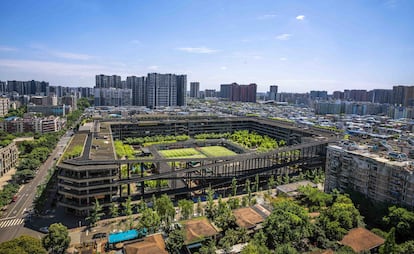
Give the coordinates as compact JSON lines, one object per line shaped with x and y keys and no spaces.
{"x":12,"y":222}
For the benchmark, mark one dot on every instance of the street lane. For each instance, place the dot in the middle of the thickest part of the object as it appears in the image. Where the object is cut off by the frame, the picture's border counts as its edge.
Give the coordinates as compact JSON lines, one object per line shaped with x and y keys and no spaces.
{"x":12,"y":221}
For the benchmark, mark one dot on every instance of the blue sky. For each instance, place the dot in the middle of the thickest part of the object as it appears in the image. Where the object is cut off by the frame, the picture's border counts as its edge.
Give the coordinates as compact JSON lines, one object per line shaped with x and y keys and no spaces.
{"x":298,"y":45}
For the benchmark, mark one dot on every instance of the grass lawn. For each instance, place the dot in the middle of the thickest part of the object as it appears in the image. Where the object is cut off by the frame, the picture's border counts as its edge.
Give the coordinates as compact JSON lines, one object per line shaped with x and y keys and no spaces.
{"x":216,"y":151}
{"x":182,"y":153}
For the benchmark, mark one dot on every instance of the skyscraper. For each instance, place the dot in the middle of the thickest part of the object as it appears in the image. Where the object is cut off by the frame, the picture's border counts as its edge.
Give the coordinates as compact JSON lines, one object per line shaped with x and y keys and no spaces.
{"x":138,"y":86}
{"x":181,"y":90}
{"x":104,"y":81}
{"x":236,"y":92}
{"x":166,"y":90}
{"x":195,"y":89}
{"x":403,"y":95}
{"x":273,"y":93}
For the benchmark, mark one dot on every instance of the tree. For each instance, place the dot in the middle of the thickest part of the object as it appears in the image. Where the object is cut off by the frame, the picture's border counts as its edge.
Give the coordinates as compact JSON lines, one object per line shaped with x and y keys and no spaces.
{"x":114,"y":210}
{"x":210,"y":207}
{"x":224,"y":218}
{"x":232,"y":237}
{"x":288,"y":223}
{"x":253,"y":248}
{"x":233,"y":203}
{"x":271,"y":183}
{"x":57,"y":240}
{"x":406,"y":247}
{"x":234,"y":186}
{"x":389,"y":246}
{"x":149,"y":219}
{"x":256,"y":183}
{"x":142,"y":205}
{"x":339,"y":218}
{"x":96,"y":213}
{"x":175,"y":241}
{"x":23,"y":245}
{"x":285,"y":249}
{"x":402,"y":220}
{"x":186,"y":207}
{"x":249,"y":191}
{"x":127,"y":207}
{"x":199,"y":207}
{"x":165,"y":208}
{"x":208,"y":248}
{"x":314,"y":198}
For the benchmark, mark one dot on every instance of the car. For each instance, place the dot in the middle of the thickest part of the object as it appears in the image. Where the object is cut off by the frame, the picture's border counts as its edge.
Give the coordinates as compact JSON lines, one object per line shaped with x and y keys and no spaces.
{"x":99,"y":235}
{"x":44,"y":230}
{"x":14,"y":198}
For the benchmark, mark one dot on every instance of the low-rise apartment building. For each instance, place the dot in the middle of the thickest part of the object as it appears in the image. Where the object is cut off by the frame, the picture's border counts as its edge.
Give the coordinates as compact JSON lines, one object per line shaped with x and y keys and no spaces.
{"x":4,"y":106}
{"x":8,"y":157}
{"x":32,"y":124}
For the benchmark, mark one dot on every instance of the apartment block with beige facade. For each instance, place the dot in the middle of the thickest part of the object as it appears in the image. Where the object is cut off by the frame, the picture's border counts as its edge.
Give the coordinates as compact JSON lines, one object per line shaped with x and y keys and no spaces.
{"x":4,"y":106}
{"x":8,"y":157}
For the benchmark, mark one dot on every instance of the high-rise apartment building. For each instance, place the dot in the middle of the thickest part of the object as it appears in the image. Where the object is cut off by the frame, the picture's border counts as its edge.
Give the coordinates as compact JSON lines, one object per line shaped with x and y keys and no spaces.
{"x":3,"y":87}
{"x":165,"y":90}
{"x":181,"y":90}
{"x":403,"y":95}
{"x":318,"y":95}
{"x":28,"y":87}
{"x":236,"y":92}
{"x":113,"y":97}
{"x":139,"y":91}
{"x":382,"y":96}
{"x":104,"y":81}
{"x":195,"y":89}
{"x":273,"y":93}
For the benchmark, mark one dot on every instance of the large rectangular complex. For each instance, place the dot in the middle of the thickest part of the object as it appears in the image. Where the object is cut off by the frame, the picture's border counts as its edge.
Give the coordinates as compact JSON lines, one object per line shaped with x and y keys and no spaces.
{"x":97,"y":173}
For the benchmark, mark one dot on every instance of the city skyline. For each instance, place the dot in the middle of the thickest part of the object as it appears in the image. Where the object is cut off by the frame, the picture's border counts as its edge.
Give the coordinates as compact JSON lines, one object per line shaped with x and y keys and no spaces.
{"x":298,"y":46}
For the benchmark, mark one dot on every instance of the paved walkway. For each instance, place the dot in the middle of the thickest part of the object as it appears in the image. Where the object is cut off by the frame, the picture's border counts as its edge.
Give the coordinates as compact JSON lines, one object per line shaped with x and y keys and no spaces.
{"x":7,"y":177}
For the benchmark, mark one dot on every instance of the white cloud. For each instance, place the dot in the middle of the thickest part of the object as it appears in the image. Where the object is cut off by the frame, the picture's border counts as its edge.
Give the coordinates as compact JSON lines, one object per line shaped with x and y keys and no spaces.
{"x":198,"y":50}
{"x":7,"y":49}
{"x":283,"y":59}
{"x":283,"y":37}
{"x":223,"y":68}
{"x":300,"y":17}
{"x":153,"y":67}
{"x":267,"y":16}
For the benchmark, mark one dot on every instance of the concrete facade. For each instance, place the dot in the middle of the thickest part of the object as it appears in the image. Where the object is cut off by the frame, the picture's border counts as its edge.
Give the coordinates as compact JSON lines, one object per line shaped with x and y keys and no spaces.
{"x":8,"y":157}
{"x":377,"y":177}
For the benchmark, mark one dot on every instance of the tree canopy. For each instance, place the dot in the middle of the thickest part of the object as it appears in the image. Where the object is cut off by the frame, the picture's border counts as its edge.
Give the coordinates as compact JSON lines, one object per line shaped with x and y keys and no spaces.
{"x":22,"y":245}
{"x":287,"y":223}
{"x":57,"y":240}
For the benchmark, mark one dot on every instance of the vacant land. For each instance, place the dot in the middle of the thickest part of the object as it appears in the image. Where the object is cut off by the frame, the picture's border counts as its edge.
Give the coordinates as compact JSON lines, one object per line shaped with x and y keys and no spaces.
{"x":216,"y":151}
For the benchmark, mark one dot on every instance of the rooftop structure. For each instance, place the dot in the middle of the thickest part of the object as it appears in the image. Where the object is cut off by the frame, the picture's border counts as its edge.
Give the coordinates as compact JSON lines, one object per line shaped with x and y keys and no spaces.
{"x":250,"y":217}
{"x":198,"y":229}
{"x":153,"y":244}
{"x":361,"y":239}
